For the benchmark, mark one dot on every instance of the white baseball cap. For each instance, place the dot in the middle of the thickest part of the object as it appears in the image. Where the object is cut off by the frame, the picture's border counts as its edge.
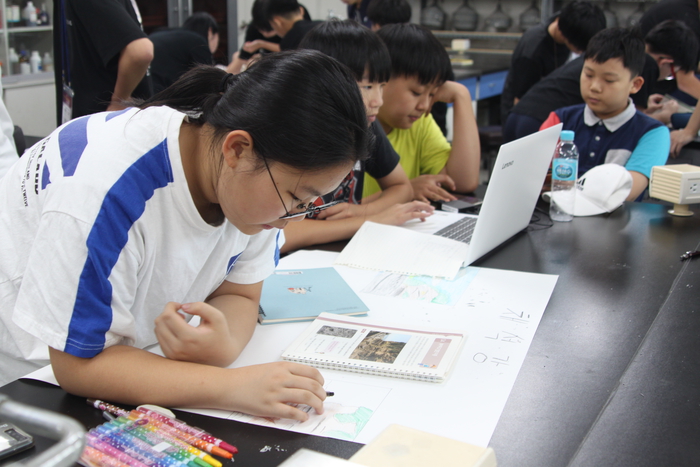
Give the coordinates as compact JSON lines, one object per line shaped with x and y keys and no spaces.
{"x":602,"y":189}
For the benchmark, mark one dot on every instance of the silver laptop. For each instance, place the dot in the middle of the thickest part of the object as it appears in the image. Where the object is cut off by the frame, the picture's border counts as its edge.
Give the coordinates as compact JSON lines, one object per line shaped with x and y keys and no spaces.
{"x":515,"y":184}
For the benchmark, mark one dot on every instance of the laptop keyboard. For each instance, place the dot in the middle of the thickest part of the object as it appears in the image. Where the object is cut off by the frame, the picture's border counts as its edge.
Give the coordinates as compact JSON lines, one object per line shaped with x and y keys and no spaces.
{"x":461,"y":230}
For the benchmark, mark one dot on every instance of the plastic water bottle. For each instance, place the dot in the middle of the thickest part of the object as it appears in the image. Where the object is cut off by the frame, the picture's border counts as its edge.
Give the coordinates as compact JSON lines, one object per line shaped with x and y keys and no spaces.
{"x":35,"y":61}
{"x":47,"y":63}
{"x":29,"y":14}
{"x":564,"y":174}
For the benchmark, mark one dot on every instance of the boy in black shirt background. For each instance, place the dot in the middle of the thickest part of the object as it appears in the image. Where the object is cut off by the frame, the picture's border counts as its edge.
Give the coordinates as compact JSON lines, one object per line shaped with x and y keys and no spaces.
{"x":546,"y":47}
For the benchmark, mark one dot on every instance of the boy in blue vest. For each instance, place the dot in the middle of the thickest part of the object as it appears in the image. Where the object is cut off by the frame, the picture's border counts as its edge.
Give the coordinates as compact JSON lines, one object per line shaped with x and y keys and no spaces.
{"x":609,"y":129}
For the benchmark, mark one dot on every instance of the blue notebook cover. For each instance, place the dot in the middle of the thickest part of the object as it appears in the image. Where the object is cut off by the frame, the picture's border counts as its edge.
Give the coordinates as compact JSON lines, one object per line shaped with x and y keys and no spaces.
{"x":303,"y":294}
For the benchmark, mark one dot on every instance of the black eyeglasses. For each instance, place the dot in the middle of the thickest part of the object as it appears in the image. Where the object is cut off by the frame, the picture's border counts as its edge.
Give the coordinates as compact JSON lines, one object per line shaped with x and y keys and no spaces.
{"x":310,"y":210}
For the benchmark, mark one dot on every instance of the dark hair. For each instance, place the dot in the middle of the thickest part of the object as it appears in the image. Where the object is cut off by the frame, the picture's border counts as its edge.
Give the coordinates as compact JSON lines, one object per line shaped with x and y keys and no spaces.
{"x":353,"y":45}
{"x":201,"y":22}
{"x":676,"y":39}
{"x":259,"y":16}
{"x":383,"y":12}
{"x":623,"y":43}
{"x":579,"y":21}
{"x":416,"y":52}
{"x":301,"y":108}
{"x":285,"y":8}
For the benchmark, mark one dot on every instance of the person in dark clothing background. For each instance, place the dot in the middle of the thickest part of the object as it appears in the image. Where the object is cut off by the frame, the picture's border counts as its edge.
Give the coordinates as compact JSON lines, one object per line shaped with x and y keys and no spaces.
{"x":179,"y":49}
{"x":286,"y":17}
{"x":260,"y":38}
{"x":383,"y":12}
{"x":357,"y":10}
{"x":109,"y":55}
{"x":546,"y":47}
{"x":687,"y":11}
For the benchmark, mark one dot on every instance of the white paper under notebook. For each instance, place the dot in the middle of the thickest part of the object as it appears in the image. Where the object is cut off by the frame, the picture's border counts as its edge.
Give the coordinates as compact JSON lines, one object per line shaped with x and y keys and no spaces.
{"x":365,"y":346}
{"x":379,"y":247}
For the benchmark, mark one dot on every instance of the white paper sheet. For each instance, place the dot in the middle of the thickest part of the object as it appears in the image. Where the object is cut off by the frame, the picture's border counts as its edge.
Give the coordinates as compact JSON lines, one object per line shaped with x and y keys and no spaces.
{"x":500,"y":311}
{"x":379,"y":247}
{"x":432,"y":224}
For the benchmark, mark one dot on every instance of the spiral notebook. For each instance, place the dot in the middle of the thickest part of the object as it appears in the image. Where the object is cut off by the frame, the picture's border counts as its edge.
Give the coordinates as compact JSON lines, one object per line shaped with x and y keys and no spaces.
{"x":365,"y":346}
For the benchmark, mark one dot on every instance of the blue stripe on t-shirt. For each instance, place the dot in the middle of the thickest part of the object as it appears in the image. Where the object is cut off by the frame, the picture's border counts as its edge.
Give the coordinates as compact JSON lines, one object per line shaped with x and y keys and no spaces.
{"x":72,"y":141}
{"x":232,"y":262}
{"x":277,"y":248}
{"x":45,"y":176}
{"x":116,"y":113}
{"x":122,"y":206}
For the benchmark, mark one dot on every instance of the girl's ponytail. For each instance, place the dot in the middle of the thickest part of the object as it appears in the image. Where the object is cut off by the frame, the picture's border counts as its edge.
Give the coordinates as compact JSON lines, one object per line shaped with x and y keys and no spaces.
{"x":196,"y":92}
{"x":302,"y":108}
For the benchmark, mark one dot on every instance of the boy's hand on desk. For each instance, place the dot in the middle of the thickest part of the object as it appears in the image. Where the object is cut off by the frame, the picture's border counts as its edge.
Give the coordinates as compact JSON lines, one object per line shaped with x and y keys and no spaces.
{"x":428,"y":188}
{"x":399,"y":214}
{"x":209,"y":343}
{"x":680,"y":138}
{"x":661,"y":109}
{"x":654,"y":103}
{"x":267,"y":390}
{"x":342,"y":211}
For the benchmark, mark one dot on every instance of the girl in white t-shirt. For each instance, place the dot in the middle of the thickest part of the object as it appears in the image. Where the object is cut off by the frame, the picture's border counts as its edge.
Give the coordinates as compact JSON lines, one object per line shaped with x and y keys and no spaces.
{"x":119,"y":224}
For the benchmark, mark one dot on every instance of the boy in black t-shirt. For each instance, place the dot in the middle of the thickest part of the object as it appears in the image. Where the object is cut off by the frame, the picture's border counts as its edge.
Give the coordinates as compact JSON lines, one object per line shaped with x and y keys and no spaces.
{"x":546,"y":47}
{"x":675,"y":48}
{"x":383,"y":12}
{"x":177,"y":50}
{"x":365,"y":54}
{"x":260,"y":38}
{"x":286,"y":18}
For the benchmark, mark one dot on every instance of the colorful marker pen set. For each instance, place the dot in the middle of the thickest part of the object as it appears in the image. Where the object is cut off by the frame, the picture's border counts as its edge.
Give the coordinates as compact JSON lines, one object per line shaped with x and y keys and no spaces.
{"x":145,"y":438}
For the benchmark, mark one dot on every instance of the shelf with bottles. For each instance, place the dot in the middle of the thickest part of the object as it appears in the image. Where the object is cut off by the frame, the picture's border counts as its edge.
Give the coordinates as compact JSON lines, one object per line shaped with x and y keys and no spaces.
{"x":25,"y":15}
{"x":623,"y":12}
{"x":478,"y":16}
{"x":28,"y":62}
{"x":27,"y":38}
{"x":478,"y":42}
{"x":28,"y":53}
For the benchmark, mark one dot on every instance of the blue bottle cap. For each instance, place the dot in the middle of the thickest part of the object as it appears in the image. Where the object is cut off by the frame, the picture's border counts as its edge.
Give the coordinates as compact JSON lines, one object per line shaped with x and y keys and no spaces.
{"x":566,"y":135}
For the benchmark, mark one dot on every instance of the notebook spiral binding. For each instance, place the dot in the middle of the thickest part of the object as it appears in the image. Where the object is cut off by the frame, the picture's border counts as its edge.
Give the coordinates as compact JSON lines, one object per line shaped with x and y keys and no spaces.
{"x":325,"y":364}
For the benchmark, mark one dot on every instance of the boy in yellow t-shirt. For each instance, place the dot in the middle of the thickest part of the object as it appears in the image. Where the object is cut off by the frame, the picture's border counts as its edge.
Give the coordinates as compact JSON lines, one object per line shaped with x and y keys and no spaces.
{"x":419,"y":70}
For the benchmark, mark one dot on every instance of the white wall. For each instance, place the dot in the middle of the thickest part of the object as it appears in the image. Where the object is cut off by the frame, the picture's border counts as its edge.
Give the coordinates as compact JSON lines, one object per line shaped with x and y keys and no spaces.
{"x":32,"y":107}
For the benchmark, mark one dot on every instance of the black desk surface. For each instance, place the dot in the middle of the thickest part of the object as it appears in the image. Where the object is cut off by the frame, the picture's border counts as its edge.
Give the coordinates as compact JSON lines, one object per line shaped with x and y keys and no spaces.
{"x":612,"y":376}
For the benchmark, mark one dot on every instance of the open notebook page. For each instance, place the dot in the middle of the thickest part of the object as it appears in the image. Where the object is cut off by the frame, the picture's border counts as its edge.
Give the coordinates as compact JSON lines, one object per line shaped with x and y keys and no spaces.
{"x":388,"y":248}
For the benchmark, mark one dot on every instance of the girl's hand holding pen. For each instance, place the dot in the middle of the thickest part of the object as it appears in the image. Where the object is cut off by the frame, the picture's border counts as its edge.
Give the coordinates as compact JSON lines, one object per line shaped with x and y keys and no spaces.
{"x":209,"y":343}
{"x":268,"y":390}
{"x":264,"y":390}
